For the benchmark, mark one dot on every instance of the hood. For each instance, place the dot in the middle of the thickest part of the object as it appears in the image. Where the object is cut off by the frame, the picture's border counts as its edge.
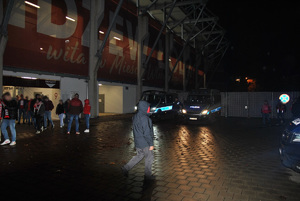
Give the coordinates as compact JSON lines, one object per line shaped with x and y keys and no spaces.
{"x":86,"y":101}
{"x":143,"y":107}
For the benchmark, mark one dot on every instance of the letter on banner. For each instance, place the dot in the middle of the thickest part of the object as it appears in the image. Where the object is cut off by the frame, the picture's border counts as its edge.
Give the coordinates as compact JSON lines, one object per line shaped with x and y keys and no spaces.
{"x":45,"y":26}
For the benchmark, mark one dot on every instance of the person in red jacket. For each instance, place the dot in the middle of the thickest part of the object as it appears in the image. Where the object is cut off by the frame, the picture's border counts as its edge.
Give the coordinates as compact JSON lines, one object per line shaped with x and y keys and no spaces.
{"x":75,"y":108}
{"x":265,"y":111}
{"x":87,"y":114}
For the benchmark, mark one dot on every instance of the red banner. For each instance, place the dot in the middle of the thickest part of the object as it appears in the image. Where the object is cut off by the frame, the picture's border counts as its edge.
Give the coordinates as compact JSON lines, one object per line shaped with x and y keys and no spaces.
{"x":53,"y":36}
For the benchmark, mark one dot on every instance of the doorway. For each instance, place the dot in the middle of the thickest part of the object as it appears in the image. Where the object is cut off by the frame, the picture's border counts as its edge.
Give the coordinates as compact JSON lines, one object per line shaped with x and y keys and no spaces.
{"x":101,"y":103}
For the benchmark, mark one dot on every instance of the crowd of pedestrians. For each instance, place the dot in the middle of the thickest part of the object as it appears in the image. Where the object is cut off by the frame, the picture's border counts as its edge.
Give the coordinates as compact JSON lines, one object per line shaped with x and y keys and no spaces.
{"x":37,"y":112}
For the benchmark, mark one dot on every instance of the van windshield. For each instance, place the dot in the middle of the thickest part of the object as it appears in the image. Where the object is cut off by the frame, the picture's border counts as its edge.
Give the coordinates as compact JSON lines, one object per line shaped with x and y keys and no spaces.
{"x":201,"y":99}
{"x":152,"y":98}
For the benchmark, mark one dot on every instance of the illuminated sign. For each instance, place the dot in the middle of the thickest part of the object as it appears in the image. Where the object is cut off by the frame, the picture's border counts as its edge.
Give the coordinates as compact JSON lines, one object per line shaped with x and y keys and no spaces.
{"x":166,"y":108}
{"x":195,"y":107}
{"x":284,"y":98}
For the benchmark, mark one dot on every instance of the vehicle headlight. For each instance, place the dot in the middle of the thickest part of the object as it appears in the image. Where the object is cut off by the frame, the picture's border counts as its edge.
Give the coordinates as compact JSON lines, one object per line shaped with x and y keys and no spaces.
{"x":153,"y":109}
{"x":135,"y":108}
{"x":183,"y":111}
{"x":204,"y":112}
{"x":296,"y":137}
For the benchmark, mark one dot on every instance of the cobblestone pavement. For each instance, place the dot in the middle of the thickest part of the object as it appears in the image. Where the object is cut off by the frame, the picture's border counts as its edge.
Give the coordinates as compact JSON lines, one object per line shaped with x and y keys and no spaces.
{"x":234,"y":159}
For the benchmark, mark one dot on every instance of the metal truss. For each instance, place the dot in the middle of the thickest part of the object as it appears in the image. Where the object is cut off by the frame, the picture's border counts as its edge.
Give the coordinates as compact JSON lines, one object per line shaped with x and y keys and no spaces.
{"x":194,"y":23}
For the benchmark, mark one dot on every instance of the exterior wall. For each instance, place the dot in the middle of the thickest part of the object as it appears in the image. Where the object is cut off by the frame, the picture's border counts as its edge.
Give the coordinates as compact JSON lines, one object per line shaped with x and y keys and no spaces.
{"x":113,"y":98}
{"x":248,"y":104}
{"x":70,"y":86}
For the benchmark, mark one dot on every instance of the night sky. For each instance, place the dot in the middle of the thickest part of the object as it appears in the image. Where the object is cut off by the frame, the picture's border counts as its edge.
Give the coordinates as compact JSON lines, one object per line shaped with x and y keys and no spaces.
{"x":265,"y":42}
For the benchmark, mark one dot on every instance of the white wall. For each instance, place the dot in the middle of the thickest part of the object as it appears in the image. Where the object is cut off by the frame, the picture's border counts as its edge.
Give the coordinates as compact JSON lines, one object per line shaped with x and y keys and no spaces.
{"x":129,"y":99}
{"x":113,"y":98}
{"x":71,"y":86}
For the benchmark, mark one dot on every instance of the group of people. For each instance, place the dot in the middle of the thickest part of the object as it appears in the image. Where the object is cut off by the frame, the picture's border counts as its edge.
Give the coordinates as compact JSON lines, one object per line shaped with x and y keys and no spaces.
{"x":280,"y":111}
{"x":37,"y":111}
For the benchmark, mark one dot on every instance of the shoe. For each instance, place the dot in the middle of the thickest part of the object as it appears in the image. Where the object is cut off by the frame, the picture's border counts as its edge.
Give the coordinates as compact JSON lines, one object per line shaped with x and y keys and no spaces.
{"x":52,"y":126}
{"x":38,"y":132}
{"x":5,"y":142}
{"x":13,"y":143}
{"x":87,"y":130}
{"x":68,"y":133}
{"x":44,"y":128}
{"x":77,"y":133}
{"x":124,"y":171}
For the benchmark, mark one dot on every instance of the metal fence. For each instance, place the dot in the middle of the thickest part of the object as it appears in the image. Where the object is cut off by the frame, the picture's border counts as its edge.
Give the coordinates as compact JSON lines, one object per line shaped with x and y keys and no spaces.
{"x":248,"y":104}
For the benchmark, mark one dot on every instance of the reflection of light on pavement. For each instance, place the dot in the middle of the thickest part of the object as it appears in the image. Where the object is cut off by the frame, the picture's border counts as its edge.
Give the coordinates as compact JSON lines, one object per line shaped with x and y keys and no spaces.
{"x":295,"y":177}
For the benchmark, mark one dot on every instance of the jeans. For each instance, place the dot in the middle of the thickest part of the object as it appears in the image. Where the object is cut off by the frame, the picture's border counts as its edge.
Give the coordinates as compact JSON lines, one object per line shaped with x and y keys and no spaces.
{"x":87,"y":120}
{"x":11,"y":123}
{"x":67,"y":118}
{"x":72,"y":116}
{"x":61,"y":119}
{"x":141,"y":153}
{"x":280,"y":117}
{"x":265,"y":117}
{"x":47,"y":115}
{"x":21,"y":113}
{"x":39,"y":122}
{"x":31,"y":113}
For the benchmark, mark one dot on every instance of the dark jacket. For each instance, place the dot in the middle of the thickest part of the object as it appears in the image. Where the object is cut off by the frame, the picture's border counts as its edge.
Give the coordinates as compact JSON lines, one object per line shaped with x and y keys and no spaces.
{"x":60,"y":109}
{"x":32,"y":103}
{"x":142,"y":127}
{"x":48,"y":105}
{"x":66,"y":106}
{"x":39,"y":110}
{"x":22,"y":104}
{"x":9,"y":109}
{"x":75,"y":106}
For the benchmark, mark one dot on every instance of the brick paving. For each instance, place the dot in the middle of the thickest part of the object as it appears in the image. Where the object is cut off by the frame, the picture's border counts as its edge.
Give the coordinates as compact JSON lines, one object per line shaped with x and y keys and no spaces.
{"x":234,"y":159}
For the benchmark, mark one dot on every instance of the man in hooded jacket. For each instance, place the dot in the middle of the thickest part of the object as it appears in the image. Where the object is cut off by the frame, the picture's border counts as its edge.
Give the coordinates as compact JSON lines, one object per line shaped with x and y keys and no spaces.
{"x":143,"y":139}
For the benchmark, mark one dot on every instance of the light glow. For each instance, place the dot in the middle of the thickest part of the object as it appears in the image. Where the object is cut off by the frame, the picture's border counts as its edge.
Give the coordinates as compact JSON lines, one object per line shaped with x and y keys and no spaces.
{"x":32,"y":4}
{"x":117,"y":38}
{"x":69,"y":18}
{"x":29,"y":78}
{"x":184,"y":111}
{"x":102,"y":32}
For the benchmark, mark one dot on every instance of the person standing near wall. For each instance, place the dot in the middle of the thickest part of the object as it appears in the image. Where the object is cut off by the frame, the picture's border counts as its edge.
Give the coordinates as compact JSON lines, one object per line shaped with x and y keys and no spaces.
{"x":39,"y":112}
{"x":280,"y":110}
{"x":10,"y":115}
{"x":22,"y":111}
{"x":265,"y":111}
{"x":67,"y":106}
{"x":87,"y":114}
{"x":143,"y":139}
{"x":33,"y":102}
{"x":75,"y":108}
{"x":48,"y":108}
{"x":60,"y":111}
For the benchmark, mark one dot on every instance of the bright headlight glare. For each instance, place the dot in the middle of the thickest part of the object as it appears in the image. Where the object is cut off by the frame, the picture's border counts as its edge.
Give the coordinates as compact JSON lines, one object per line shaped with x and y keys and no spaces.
{"x":154,"y":108}
{"x":296,"y":137}
{"x":204,"y":112}
{"x":135,"y":108}
{"x":184,"y":111}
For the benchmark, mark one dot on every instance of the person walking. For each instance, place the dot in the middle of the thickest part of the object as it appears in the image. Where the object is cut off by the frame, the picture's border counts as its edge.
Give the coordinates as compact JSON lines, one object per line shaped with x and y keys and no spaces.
{"x":265,"y":111}
{"x":28,"y":113}
{"x":21,"y":107}
{"x":9,"y":114}
{"x":60,"y":111}
{"x":48,"y":108}
{"x":39,"y":112}
{"x":75,"y":108}
{"x":143,"y":139}
{"x":87,"y":114}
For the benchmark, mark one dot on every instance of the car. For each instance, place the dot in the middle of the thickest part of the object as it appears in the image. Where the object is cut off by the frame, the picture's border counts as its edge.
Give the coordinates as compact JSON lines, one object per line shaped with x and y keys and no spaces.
{"x":289,"y":149}
{"x":202,"y":105}
{"x":161,"y":104}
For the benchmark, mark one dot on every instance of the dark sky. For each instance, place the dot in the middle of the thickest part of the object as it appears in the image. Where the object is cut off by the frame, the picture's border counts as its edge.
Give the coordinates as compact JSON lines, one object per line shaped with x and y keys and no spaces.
{"x":265,"y":41}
